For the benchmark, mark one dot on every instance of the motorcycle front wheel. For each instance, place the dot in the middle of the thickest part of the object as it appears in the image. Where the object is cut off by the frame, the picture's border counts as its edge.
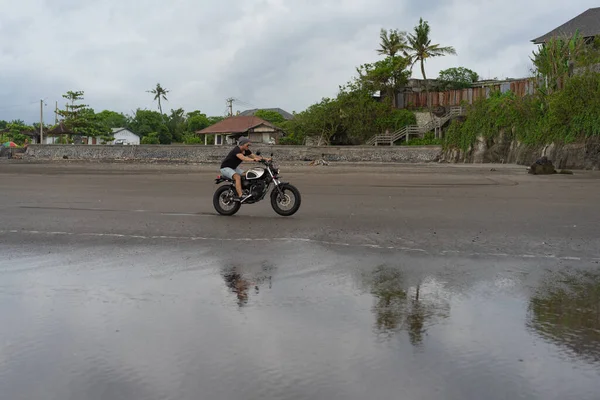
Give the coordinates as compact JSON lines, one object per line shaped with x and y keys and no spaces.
{"x":287,"y":202}
{"x":223,"y":201}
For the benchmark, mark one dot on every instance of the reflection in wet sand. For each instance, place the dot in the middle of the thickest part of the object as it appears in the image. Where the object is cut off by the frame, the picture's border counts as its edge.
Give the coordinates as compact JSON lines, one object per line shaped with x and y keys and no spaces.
{"x":399,"y":306}
{"x":566,"y":311}
{"x":240,"y":279}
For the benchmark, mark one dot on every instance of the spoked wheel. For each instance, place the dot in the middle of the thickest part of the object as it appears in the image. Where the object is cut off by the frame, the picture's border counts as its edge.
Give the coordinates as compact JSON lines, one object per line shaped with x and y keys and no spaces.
{"x":287,"y":202}
{"x":223,"y":201}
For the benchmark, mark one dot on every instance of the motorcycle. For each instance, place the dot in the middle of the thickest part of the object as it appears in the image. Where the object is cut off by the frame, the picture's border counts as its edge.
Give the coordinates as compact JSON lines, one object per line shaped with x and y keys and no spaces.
{"x":256,"y":182}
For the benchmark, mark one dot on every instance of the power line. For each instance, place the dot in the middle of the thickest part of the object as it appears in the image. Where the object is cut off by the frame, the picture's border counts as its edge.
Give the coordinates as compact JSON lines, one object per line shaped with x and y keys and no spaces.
{"x":18,"y":105}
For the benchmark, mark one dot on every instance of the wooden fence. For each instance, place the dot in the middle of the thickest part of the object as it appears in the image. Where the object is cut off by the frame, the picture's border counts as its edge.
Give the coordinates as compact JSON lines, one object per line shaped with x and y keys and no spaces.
{"x":412,"y":100}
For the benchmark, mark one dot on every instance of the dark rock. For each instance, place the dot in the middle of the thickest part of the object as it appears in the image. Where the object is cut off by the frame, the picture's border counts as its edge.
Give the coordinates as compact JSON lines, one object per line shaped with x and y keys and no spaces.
{"x":542,"y":166}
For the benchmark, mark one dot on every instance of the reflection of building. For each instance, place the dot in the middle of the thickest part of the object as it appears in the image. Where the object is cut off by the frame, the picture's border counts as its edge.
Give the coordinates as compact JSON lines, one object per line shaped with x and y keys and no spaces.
{"x":231,"y":129}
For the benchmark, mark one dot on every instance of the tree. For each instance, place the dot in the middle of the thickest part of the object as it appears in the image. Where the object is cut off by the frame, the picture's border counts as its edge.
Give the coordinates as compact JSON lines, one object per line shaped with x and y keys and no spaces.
{"x":555,"y":60}
{"x":176,"y":124}
{"x":146,"y":121}
{"x":213,"y":120}
{"x":15,"y":129}
{"x":271,"y":116}
{"x":420,"y":48}
{"x":196,"y":121}
{"x":81,"y":119}
{"x":392,"y":42}
{"x":457,"y":78}
{"x":159,"y":92}
{"x":322,"y":120}
{"x":112,"y":119}
{"x":387,"y":75}
{"x":3,"y":124}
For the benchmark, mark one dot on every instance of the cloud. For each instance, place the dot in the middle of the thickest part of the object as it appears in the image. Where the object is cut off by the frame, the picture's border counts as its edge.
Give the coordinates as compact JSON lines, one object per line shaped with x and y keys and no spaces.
{"x":268,"y":53}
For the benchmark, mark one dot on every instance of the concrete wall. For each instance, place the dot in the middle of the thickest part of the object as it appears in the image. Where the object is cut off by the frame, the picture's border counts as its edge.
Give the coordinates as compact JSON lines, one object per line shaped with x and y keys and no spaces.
{"x":214,"y":154}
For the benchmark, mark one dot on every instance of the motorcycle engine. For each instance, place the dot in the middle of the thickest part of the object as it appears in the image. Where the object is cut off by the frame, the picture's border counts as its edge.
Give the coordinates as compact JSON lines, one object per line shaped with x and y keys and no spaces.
{"x":257,"y":189}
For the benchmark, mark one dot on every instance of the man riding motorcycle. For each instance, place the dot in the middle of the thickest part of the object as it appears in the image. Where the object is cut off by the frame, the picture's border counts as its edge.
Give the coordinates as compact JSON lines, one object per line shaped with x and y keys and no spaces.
{"x":230,"y":165}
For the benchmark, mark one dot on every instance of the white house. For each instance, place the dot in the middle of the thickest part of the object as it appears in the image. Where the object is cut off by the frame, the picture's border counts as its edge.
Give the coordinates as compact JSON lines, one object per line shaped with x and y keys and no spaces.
{"x":125,"y":134}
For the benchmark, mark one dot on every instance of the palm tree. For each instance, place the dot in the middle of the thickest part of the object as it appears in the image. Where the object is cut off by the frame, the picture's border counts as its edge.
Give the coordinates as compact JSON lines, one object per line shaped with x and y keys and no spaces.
{"x":392,"y":42}
{"x":159,"y":92}
{"x":420,"y":47}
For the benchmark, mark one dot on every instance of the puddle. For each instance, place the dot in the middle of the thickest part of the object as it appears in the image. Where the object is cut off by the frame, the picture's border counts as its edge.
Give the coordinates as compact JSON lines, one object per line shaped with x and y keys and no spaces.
{"x":294,"y":321}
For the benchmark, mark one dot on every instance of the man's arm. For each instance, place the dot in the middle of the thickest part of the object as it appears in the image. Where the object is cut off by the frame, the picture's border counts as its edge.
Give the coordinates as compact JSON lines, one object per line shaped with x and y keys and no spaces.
{"x":252,"y":157}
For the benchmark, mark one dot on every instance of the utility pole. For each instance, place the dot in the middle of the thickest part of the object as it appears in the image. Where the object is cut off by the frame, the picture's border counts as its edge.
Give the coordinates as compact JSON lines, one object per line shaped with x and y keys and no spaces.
{"x":56,"y":113}
{"x":41,"y":121}
{"x":230,"y":105}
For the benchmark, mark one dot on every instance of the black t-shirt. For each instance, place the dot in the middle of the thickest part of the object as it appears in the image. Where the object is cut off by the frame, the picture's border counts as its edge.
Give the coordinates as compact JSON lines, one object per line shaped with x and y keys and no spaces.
{"x":232,"y":161}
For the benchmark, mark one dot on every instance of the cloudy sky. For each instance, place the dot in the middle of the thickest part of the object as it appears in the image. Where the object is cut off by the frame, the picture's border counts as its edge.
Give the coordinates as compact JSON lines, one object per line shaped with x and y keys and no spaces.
{"x":266,"y":53}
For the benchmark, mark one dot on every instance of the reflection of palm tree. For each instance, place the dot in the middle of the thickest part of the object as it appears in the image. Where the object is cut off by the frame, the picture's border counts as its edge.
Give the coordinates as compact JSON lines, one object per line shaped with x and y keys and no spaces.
{"x":416,"y":319}
{"x":239,"y":283}
{"x":567,"y":312}
{"x":392,"y":309}
{"x":387,"y":288}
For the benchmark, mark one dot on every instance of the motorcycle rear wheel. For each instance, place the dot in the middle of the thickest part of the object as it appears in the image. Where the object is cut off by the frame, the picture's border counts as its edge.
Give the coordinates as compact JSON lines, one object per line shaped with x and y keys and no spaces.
{"x":225,"y":195}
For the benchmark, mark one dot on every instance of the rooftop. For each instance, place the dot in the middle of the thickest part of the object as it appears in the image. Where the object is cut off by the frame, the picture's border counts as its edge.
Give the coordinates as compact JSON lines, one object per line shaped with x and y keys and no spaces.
{"x":587,"y":23}
{"x":237,"y":124}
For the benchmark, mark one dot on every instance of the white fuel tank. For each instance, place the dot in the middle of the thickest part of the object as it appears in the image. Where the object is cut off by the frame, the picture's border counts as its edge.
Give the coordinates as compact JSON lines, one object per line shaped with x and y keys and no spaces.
{"x":254,"y":173}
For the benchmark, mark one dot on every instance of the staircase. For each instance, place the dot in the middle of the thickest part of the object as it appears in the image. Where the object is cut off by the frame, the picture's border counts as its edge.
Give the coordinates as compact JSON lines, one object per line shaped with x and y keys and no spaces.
{"x":415,"y":130}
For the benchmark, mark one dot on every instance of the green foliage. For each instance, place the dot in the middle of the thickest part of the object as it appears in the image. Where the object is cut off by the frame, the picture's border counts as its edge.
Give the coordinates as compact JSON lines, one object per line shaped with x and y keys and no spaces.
{"x":164,"y":136}
{"x":151,"y":138}
{"x":112,"y":119}
{"x":271,"y":116}
{"x":575,"y":111}
{"x":197,"y":121}
{"x":145,"y":122}
{"x":396,"y":119}
{"x":387,"y":75}
{"x":214,"y":120}
{"x":177,"y":124}
{"x":555,"y":61}
{"x":3,"y":124}
{"x":457,"y":78}
{"x":321,"y":120}
{"x":190,"y":138}
{"x":561,"y":117}
{"x":427,"y":140}
{"x":392,"y":42}
{"x":80,"y":118}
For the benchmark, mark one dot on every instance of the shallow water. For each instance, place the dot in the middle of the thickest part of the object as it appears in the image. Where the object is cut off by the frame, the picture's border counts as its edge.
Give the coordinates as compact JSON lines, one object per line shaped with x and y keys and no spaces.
{"x":292,"y":321}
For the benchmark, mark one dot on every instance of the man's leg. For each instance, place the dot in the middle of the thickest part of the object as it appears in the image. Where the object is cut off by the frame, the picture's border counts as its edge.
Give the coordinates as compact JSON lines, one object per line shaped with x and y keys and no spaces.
{"x":238,"y":184}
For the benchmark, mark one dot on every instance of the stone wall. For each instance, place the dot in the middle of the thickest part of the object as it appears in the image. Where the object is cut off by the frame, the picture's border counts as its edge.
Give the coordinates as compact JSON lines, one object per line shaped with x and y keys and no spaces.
{"x":423,"y":117}
{"x":581,"y":155}
{"x":214,"y":154}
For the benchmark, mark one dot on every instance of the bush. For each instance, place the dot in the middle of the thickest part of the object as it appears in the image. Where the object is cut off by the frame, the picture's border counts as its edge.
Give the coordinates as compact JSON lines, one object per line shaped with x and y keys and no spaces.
{"x":151,"y":138}
{"x":427,"y":140}
{"x":396,"y":119}
{"x":190,"y":138}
